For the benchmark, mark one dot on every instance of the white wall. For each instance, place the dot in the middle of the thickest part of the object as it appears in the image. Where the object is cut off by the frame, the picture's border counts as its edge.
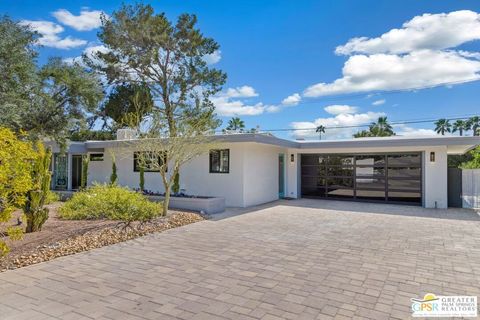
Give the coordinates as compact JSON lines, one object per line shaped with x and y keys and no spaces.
{"x":195,"y":177}
{"x":261,"y":173}
{"x":435,"y":188}
{"x":293,"y":174}
{"x":471,"y":188}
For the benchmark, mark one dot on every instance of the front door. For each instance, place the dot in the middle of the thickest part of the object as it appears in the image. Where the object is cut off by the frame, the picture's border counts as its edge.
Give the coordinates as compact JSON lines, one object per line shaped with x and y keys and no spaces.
{"x":281,"y":175}
{"x":76,"y":171}
{"x":60,"y":171}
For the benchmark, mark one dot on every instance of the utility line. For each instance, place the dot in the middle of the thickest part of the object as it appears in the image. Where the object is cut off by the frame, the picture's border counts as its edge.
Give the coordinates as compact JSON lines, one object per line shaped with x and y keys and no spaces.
{"x":463,"y":117}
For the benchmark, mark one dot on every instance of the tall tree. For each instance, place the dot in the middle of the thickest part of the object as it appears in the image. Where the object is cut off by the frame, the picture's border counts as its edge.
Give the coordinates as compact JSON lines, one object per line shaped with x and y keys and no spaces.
{"x":460,"y":126}
{"x":47,"y":101}
{"x":474,"y":124}
{"x":443,"y":126}
{"x":70,"y":93}
{"x":380,"y":128}
{"x":18,"y":70}
{"x":363,"y":134}
{"x":144,"y":47}
{"x":235,"y":124}
{"x":320,"y":129}
{"x":128,"y":105}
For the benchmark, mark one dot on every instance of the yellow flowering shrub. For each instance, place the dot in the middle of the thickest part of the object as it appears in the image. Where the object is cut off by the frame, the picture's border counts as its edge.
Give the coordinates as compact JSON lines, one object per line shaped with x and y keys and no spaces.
{"x":16,"y":157}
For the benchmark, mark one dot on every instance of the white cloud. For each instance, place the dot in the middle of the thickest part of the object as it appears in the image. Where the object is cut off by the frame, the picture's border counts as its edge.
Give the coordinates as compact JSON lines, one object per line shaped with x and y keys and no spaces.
{"x":213,"y":58}
{"x":89,"y":51}
{"x":240,"y":92}
{"x":340,"y":120}
{"x":340,"y":109}
{"x":292,"y":100}
{"x":404,"y":130}
{"x":87,"y":20}
{"x":234,"y":102}
{"x":425,"y":68}
{"x":378,"y":102}
{"x":469,"y":54}
{"x":224,"y":106}
{"x":49,"y":35}
{"x":428,"y":31}
{"x":92,"y":50}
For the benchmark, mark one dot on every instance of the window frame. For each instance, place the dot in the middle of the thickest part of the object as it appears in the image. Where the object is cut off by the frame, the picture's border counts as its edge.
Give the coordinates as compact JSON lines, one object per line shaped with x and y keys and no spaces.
{"x":136,"y":167}
{"x":96,"y":154}
{"x":210,"y":160}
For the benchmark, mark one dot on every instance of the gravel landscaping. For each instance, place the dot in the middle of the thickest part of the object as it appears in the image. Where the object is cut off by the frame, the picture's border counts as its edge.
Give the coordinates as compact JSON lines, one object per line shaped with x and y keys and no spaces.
{"x":61,"y":237}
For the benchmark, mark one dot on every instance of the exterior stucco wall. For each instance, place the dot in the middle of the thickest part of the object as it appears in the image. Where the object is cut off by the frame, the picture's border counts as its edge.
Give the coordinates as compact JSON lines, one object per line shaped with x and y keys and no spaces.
{"x":435,"y":187}
{"x":435,"y":191}
{"x":293,"y":174}
{"x":195,"y":177}
{"x":261,"y":173}
{"x":252,"y":178}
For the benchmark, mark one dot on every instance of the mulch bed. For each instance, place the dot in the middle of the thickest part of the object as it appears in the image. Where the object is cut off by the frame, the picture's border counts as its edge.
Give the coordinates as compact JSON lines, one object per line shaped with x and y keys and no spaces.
{"x":65,"y":237}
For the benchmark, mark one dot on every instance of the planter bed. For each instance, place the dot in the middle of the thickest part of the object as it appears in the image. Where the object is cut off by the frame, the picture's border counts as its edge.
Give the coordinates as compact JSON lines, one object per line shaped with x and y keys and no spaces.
{"x":207,"y":205}
{"x":61,"y":237}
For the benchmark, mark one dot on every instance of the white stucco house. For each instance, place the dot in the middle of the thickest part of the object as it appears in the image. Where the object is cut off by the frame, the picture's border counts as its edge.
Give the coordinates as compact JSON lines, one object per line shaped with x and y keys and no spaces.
{"x":251,"y":169}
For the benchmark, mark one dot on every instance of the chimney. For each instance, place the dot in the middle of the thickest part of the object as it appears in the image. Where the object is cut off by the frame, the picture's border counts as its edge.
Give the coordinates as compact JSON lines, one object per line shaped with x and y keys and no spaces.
{"x":126,"y":134}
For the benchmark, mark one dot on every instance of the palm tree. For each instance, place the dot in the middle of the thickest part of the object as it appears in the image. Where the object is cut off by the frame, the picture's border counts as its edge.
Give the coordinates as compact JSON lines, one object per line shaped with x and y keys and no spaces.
{"x":460,"y":126}
{"x":381,"y":128}
{"x":442,"y":126}
{"x":474,"y":124}
{"x":362,"y":134}
{"x":236,"y":124}
{"x":320,"y":129}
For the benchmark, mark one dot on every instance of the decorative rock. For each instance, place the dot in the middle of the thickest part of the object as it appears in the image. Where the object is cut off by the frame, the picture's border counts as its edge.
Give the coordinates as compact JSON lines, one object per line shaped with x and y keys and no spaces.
{"x":100,"y":238}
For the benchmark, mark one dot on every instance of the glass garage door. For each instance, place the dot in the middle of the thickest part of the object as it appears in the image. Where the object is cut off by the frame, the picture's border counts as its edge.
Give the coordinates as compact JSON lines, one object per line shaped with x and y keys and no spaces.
{"x":393,"y":178}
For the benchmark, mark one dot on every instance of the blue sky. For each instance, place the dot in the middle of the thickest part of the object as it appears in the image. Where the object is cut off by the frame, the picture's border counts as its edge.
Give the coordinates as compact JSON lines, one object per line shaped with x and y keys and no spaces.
{"x":272,"y":50}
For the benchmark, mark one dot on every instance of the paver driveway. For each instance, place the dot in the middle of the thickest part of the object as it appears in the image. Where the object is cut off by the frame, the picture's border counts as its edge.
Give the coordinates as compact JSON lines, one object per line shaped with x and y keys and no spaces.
{"x":300,"y":259}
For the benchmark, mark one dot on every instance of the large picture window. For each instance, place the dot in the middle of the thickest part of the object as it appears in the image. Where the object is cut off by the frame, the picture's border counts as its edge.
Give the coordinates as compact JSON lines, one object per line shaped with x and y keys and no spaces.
{"x":220,"y":161}
{"x":150,"y":161}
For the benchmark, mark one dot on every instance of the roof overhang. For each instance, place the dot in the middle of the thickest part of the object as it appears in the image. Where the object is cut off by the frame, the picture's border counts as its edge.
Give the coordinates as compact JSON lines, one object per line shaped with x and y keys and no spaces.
{"x":454,"y":144}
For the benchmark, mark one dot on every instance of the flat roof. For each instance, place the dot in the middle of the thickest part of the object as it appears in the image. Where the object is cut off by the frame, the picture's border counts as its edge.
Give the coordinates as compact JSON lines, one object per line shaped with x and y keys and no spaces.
{"x":456,"y":144}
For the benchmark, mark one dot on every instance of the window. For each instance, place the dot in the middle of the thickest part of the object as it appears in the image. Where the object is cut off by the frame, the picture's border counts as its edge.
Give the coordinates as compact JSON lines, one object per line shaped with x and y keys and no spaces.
{"x":149,"y":160}
{"x":96,"y":156}
{"x":220,"y":161}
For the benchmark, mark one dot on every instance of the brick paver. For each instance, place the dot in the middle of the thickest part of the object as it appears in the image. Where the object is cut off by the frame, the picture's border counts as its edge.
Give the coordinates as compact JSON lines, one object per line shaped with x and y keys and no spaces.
{"x":300,"y":259}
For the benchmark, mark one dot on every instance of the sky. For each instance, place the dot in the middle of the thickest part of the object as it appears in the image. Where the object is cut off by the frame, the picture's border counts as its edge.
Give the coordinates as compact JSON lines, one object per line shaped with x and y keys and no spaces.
{"x":300,"y":64}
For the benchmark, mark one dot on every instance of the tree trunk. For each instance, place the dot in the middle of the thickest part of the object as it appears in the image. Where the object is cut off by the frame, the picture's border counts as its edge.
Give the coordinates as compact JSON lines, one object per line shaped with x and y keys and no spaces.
{"x":166,"y":202}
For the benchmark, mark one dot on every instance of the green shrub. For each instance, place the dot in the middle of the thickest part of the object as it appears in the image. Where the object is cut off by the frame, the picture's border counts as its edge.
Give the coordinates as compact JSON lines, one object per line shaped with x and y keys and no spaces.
{"x":114,"y":176}
{"x":474,"y":163}
{"x":51,"y":197}
{"x":110,"y":202}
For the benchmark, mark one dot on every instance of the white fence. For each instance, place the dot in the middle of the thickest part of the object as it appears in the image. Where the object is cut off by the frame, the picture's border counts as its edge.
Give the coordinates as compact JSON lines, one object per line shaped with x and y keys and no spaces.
{"x":471,"y":188}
